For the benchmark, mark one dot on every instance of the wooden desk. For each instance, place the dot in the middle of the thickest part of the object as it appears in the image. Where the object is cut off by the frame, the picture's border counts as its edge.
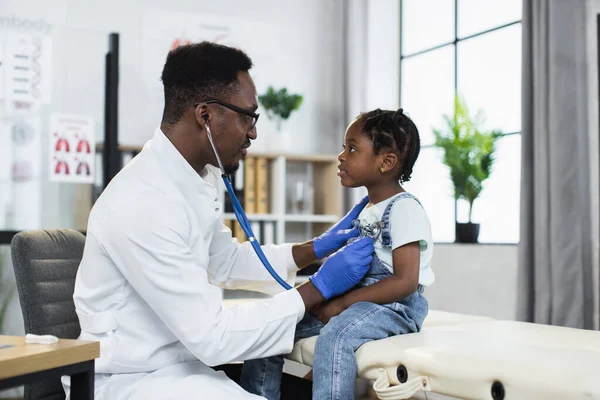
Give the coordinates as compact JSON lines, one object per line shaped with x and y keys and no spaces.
{"x":27,"y":363}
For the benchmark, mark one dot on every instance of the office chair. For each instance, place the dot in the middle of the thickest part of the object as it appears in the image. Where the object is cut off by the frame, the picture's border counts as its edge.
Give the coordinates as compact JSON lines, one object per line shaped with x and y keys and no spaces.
{"x":45,"y":264}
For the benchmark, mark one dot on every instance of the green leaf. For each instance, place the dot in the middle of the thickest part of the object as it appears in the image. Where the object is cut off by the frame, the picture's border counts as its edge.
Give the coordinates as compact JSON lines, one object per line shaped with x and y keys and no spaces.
{"x":278,"y":104}
{"x":468,"y":151}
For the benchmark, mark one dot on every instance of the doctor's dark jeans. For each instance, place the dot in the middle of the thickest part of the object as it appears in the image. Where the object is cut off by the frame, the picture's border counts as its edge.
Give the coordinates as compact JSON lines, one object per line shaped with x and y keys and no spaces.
{"x":334,"y":365}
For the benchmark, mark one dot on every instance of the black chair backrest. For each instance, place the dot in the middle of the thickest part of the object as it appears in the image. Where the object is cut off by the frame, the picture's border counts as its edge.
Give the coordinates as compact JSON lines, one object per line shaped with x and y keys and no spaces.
{"x":45,"y":264}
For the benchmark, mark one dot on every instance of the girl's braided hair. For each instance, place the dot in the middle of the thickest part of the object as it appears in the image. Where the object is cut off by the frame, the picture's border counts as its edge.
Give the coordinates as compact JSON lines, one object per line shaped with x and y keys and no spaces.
{"x":393,"y":129}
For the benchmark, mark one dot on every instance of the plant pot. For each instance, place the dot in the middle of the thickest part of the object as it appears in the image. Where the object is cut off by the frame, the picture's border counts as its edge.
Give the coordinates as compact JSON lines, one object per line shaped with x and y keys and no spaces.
{"x":466,"y":232}
{"x":280,"y":142}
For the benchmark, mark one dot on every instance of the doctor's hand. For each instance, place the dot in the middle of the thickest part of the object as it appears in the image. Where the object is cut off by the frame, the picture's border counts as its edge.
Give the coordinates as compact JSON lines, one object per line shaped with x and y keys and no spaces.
{"x":338,"y":235}
{"x":344,"y":268}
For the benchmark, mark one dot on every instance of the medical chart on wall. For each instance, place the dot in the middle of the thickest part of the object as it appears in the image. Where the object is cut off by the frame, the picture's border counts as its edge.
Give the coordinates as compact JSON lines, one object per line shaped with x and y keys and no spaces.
{"x":72,"y":150}
{"x":26,"y":71}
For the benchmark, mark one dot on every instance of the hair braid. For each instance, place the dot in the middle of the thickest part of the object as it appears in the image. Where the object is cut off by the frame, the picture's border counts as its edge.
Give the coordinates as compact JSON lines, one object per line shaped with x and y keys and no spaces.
{"x":393,"y":129}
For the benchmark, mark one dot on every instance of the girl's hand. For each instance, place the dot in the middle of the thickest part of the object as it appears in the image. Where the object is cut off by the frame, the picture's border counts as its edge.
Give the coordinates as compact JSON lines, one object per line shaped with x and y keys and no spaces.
{"x":329,"y":310}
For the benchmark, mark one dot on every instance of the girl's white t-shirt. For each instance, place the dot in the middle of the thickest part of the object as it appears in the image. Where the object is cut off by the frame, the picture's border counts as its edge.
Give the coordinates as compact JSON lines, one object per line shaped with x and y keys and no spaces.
{"x":408,"y":223}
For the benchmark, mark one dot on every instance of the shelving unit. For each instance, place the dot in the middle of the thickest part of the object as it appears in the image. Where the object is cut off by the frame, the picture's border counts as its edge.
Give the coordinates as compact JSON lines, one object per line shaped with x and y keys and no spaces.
{"x":305,"y":195}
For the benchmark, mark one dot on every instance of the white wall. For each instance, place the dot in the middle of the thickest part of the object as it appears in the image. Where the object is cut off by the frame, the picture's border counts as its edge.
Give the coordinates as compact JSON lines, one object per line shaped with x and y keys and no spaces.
{"x":475,"y":279}
{"x":383,"y":55}
{"x":303,"y":38}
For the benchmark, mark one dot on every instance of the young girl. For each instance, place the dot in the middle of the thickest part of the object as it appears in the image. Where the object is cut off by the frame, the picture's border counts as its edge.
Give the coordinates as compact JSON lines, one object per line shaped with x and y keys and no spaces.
{"x":380,"y":150}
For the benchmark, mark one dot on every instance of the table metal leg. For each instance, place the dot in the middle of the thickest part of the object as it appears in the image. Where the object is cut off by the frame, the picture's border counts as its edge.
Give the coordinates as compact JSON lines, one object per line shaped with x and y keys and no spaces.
{"x":82,"y":383}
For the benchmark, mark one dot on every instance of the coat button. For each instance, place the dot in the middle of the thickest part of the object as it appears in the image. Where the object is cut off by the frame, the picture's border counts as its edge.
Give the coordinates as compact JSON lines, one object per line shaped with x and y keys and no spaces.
{"x":216,"y":209}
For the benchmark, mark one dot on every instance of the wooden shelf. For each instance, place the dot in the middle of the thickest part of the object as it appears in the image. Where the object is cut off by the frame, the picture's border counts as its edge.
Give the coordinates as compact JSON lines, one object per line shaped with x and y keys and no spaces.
{"x":284,"y":222}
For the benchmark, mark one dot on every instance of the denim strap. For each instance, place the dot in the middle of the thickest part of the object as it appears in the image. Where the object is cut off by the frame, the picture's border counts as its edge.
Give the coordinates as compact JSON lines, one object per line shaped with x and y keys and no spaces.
{"x":386,"y":237}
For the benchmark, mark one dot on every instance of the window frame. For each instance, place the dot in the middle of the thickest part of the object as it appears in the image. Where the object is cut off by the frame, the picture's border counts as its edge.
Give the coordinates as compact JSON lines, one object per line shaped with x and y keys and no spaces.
{"x":454,"y":43}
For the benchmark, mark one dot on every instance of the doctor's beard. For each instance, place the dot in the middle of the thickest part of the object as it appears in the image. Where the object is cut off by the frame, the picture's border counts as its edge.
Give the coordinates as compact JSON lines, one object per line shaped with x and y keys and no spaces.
{"x":231,"y":169}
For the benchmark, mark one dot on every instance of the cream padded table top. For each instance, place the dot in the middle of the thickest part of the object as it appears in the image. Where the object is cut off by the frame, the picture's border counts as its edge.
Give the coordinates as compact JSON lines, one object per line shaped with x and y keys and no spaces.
{"x":529,"y":361}
{"x":303,"y":351}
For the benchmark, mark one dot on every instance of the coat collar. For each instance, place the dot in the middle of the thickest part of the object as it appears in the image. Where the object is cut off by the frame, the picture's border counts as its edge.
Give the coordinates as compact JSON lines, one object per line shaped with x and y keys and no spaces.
{"x":179,"y":170}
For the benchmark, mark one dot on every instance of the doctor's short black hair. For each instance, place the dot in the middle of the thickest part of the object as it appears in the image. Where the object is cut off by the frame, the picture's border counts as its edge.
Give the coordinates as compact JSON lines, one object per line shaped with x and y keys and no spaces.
{"x":393,"y":129}
{"x":200,"y":71}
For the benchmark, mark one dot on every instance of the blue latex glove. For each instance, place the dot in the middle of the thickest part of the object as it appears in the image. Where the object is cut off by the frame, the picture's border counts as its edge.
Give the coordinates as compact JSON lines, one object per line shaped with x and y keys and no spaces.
{"x":344,"y":268}
{"x":338,"y":235}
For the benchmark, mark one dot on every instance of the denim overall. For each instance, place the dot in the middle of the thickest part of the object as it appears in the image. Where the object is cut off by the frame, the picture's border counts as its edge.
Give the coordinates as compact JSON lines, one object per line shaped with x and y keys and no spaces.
{"x":415,"y":305}
{"x":334,"y":365}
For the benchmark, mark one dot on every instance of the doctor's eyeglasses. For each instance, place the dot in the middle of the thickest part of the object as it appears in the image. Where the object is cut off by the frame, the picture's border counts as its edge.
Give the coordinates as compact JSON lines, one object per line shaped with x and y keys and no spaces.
{"x":251,"y":116}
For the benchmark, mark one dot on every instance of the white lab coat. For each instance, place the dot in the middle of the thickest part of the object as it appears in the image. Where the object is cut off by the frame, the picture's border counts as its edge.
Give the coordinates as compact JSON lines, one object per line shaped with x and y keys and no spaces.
{"x":148,"y":287}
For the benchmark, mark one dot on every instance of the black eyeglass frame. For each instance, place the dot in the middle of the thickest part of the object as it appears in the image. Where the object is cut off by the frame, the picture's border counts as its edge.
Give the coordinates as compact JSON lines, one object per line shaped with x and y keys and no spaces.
{"x":234,"y":108}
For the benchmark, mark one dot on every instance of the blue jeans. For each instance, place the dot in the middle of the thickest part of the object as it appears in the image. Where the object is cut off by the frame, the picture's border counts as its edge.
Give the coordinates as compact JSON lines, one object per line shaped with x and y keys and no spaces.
{"x":334,"y":365}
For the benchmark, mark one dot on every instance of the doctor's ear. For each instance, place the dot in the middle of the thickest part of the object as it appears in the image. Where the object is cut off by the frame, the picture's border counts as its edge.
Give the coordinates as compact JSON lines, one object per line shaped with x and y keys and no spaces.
{"x":206,"y":118}
{"x":202,"y":114}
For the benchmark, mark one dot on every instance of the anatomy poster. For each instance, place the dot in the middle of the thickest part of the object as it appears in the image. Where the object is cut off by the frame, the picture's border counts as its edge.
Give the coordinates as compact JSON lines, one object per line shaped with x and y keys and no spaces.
{"x":27,"y":70}
{"x":72,"y":150}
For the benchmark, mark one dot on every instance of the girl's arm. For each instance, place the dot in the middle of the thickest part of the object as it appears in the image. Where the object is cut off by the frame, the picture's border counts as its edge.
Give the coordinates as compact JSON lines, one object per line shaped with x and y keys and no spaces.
{"x":403,"y":283}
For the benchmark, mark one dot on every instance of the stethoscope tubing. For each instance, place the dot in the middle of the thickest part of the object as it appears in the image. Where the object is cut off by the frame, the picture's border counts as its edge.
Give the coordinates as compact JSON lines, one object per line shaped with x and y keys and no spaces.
{"x":243,"y":218}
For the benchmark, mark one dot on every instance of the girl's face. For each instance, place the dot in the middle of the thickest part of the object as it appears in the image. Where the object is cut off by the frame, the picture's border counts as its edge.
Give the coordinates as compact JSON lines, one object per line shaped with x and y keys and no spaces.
{"x":359,"y":165}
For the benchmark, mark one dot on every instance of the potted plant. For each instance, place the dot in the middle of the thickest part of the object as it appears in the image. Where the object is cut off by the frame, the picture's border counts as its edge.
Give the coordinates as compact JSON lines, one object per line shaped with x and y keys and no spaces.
{"x":279,"y":104}
{"x":469,"y":153}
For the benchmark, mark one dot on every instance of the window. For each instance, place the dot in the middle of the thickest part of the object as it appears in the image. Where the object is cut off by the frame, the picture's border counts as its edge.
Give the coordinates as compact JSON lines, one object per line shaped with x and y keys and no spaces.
{"x":473,"y":48}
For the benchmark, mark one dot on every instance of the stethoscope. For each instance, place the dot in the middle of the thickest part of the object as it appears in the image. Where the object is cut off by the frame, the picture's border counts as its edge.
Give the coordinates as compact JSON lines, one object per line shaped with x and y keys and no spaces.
{"x":242,"y":218}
